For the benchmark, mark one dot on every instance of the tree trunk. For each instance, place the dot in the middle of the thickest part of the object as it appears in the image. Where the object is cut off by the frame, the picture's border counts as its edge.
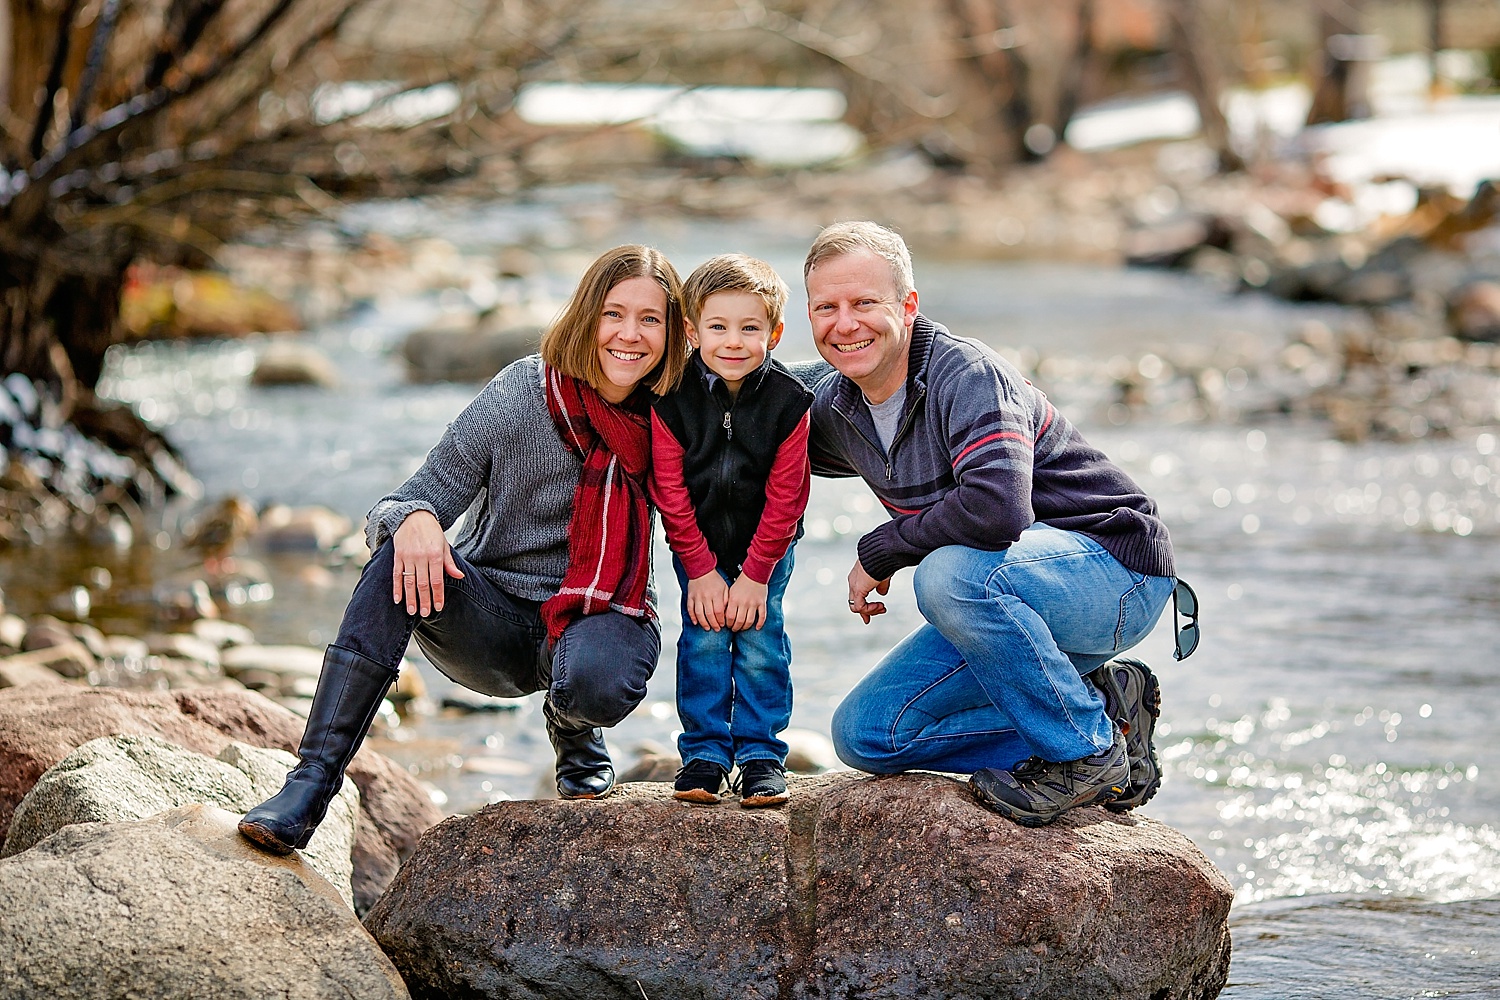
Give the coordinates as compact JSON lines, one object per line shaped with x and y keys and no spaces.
{"x":1342,"y":91}
{"x":994,"y":65}
{"x":56,"y":318}
{"x":6,"y":56}
{"x":1198,"y":63}
{"x":1435,"y":45}
{"x":1079,"y":72}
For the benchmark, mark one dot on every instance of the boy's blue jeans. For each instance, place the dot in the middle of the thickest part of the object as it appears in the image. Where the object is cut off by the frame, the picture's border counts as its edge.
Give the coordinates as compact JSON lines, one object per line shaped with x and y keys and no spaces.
{"x":734,"y":689}
{"x":996,"y":674}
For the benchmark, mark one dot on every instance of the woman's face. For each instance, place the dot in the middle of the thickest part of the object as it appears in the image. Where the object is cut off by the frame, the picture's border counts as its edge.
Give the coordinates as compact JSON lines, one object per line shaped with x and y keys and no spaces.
{"x":632,"y":335}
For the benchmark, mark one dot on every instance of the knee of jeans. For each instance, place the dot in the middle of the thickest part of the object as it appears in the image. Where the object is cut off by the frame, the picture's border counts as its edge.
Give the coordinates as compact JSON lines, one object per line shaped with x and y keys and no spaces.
{"x":857,"y":745}
{"x":382,"y":560}
{"x":939,"y":583}
{"x":703,"y":642}
{"x":596,"y":704}
{"x":595,"y":697}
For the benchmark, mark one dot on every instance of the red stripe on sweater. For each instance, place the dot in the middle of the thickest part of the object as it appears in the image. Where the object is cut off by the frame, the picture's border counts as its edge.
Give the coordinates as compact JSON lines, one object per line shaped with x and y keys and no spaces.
{"x":997,"y":436}
{"x":900,"y":510}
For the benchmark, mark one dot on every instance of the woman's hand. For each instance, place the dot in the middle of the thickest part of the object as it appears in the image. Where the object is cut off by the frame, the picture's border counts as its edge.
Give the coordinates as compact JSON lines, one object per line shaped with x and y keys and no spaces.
{"x":422,"y":557}
{"x":707,"y":596}
{"x":747,"y":604}
{"x":860,"y":585}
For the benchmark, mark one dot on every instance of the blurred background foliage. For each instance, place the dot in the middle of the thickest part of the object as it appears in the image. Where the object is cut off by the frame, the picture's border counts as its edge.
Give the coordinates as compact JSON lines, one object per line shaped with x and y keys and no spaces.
{"x":155,"y":130}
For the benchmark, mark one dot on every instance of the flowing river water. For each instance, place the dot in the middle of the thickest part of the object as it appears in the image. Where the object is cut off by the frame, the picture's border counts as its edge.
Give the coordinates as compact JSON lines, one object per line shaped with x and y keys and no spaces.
{"x":1327,"y":747}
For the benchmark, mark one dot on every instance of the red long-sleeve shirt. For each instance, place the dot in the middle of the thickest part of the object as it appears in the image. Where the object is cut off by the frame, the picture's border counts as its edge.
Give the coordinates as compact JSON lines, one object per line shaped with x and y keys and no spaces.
{"x":787,"y":489}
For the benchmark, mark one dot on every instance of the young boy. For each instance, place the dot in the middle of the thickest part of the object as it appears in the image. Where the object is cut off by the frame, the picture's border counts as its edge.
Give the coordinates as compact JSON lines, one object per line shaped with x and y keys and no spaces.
{"x":730,"y":475}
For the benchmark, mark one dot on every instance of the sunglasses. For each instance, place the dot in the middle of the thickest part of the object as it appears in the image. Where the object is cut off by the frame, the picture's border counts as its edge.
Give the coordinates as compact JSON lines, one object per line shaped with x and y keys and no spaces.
{"x":1185,"y":603}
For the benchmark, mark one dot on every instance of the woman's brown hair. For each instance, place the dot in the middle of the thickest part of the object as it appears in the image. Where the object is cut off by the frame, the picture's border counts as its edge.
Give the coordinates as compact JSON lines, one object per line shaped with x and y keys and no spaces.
{"x":571,"y":343}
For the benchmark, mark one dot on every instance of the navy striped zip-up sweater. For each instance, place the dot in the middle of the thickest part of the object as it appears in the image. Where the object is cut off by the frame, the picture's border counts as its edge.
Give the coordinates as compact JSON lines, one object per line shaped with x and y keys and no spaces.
{"x":980,"y":454}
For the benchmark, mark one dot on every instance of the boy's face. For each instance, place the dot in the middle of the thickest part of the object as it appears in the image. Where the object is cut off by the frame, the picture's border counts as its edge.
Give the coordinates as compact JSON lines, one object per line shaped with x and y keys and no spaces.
{"x":733,"y":335}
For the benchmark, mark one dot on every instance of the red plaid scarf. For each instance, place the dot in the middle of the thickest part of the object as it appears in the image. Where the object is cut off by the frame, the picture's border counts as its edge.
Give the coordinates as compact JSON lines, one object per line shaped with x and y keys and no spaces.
{"x":609,"y":543}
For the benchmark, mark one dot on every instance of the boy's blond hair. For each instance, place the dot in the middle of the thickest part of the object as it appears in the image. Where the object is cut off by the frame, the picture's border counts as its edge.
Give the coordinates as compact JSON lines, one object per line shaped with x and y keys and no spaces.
{"x":735,"y":272}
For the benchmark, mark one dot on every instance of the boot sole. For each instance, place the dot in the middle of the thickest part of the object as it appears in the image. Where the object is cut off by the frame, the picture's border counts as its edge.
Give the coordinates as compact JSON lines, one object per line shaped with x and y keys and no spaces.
{"x":698,"y":796}
{"x":584,"y":795}
{"x":1139,"y":793}
{"x":764,"y":801}
{"x":265,"y":839}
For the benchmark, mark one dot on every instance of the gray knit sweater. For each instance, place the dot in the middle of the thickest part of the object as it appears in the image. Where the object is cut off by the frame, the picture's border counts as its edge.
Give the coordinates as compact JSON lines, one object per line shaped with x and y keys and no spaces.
{"x":502,"y":464}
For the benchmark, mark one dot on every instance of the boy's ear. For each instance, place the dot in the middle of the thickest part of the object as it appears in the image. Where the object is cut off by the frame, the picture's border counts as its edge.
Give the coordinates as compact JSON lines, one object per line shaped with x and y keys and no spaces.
{"x":775,"y":337}
{"x":692,"y":333}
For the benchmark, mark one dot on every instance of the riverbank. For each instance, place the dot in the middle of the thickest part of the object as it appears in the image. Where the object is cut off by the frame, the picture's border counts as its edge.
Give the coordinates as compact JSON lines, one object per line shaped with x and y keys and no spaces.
{"x":1321,"y":741}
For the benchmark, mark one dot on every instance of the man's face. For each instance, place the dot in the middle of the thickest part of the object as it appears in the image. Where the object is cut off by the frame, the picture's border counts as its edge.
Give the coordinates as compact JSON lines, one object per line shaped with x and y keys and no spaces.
{"x":861,"y":325}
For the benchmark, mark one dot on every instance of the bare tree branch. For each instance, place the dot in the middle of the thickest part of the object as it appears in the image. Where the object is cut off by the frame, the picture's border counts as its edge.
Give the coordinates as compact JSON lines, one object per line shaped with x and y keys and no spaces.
{"x":139,"y":108}
{"x":848,"y":54}
{"x":94,"y":65}
{"x":45,"y":114}
{"x":186,"y":23}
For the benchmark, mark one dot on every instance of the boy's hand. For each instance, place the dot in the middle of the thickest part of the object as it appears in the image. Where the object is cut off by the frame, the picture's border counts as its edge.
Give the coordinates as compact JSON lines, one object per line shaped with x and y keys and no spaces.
{"x":707,"y":597}
{"x":747,"y":604}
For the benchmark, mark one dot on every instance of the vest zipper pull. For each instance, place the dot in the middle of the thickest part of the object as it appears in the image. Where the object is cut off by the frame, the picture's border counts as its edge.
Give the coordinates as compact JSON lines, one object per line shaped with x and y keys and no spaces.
{"x":728,"y":425}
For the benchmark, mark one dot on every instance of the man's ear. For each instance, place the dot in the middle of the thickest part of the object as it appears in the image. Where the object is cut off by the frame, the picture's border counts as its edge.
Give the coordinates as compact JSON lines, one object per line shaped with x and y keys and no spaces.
{"x":692,"y":333}
{"x":775,"y":337}
{"x":909,"y":308}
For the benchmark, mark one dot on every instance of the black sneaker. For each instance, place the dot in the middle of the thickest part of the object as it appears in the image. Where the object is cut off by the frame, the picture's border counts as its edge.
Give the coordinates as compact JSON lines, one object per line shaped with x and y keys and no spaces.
{"x":1038,"y":791}
{"x":761,"y":783}
{"x":1132,"y":698}
{"x":699,"y":781}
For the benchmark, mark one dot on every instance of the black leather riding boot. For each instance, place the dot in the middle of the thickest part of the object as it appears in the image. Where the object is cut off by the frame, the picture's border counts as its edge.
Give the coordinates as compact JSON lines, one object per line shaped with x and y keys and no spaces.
{"x":584,"y":770}
{"x":350,"y":690}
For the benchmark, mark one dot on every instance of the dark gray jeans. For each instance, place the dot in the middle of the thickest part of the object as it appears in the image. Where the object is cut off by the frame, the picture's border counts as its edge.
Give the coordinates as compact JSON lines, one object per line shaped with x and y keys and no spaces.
{"x":496,"y":644}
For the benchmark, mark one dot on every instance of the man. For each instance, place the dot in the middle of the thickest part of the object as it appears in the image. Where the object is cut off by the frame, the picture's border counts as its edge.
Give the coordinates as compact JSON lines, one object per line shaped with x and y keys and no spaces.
{"x":1036,"y":559}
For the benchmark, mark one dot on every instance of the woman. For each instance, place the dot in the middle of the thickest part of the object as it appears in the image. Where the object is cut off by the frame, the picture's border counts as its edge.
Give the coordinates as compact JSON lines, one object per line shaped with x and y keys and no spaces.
{"x":547,"y":587}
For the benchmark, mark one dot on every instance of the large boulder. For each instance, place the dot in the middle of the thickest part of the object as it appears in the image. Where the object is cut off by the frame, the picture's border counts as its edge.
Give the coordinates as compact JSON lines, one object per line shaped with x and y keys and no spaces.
{"x":178,"y":907}
{"x":118,"y":778}
{"x":42,"y":724}
{"x":877,"y":888}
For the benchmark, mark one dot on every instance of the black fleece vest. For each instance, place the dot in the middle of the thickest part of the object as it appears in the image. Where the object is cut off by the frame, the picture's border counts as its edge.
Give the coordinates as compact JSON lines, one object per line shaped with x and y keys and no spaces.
{"x":729,"y":446}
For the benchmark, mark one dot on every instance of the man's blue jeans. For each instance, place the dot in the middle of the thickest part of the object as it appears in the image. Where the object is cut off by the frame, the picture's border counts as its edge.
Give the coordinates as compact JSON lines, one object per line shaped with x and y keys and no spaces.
{"x":734,"y":689}
{"x":996,"y":675}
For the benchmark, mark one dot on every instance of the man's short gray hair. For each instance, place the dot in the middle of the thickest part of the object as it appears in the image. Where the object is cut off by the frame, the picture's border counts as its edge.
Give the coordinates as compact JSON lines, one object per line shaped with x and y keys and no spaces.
{"x":851,"y":237}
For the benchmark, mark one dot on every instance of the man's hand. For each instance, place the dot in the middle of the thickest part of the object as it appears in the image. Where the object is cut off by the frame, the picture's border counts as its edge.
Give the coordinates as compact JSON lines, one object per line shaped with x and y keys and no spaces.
{"x":422,"y":559}
{"x":747,"y":604}
{"x":707,"y":597}
{"x":860,"y":585}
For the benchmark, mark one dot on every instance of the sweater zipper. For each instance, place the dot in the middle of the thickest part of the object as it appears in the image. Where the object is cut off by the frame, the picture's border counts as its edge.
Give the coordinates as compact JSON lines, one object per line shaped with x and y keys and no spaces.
{"x":911,"y":415}
{"x":900,"y":432}
{"x":866,"y":440}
